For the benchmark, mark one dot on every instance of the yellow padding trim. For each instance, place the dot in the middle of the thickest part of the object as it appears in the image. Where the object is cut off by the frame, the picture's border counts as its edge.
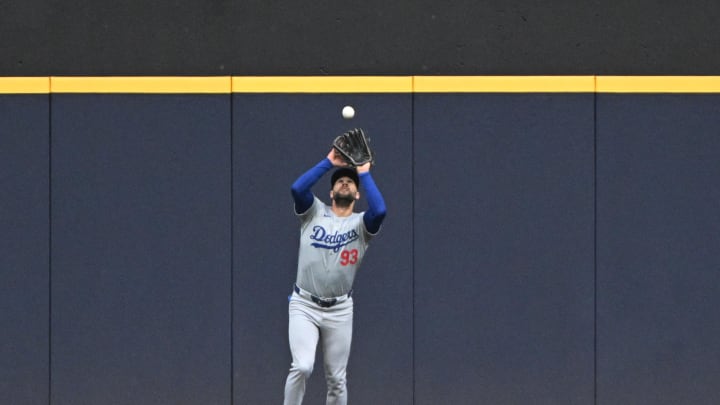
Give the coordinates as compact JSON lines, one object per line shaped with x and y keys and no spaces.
{"x":658,"y":84}
{"x":184,"y":85}
{"x":24,"y":85}
{"x":504,"y":84}
{"x":322,"y":84}
{"x":360,"y":84}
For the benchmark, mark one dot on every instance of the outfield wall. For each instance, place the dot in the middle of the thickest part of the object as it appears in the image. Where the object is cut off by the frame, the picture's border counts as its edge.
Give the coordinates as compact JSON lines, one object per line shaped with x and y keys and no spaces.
{"x":549,"y":240}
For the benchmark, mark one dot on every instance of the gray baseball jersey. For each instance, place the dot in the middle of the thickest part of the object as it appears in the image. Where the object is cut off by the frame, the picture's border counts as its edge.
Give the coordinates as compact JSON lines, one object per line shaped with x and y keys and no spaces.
{"x":331,"y":249}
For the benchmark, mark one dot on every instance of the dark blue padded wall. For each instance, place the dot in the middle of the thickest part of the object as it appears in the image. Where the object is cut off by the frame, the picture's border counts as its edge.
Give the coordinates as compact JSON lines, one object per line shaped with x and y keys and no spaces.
{"x":277,"y":137}
{"x":141,"y":249}
{"x":24,"y":254}
{"x":503,"y":227}
{"x":163,"y":245}
{"x":658,"y":243}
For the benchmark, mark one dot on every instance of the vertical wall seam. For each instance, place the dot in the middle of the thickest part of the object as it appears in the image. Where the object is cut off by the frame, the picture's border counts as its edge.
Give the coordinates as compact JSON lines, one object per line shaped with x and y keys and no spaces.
{"x":595,"y":234}
{"x":50,"y":244}
{"x":412,"y":226}
{"x":232,"y":252}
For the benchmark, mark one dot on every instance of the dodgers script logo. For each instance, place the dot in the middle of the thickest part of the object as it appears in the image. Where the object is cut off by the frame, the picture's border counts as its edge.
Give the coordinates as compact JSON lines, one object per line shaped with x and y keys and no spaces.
{"x":333,"y":241}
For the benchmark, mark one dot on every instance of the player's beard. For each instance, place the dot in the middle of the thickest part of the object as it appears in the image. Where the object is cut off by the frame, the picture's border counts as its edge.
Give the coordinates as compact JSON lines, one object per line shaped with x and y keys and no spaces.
{"x":343,"y":200}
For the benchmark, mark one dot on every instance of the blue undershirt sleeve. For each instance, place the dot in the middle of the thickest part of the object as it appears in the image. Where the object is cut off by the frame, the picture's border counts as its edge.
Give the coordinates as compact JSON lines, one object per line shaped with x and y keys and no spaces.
{"x":375,"y":214}
{"x":301,"y":188}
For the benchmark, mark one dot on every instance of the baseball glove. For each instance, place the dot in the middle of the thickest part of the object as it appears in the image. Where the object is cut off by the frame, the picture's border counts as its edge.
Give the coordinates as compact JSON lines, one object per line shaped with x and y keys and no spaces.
{"x":354,"y":148}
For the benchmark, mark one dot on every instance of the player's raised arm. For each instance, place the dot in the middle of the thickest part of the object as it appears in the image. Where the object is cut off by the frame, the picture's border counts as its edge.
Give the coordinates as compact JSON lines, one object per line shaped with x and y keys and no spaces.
{"x":301,"y":188}
{"x":375,"y":214}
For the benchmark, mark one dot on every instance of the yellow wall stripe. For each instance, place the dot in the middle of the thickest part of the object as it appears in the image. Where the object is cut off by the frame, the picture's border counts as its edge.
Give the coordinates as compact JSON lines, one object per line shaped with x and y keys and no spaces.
{"x":322,"y":84}
{"x":185,"y":85}
{"x":360,"y":84}
{"x":504,"y":84}
{"x":24,"y":85}
{"x":658,"y":84}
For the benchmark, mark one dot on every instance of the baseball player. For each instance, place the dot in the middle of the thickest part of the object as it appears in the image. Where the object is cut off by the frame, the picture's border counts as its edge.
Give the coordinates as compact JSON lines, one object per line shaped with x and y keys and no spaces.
{"x":333,"y":242}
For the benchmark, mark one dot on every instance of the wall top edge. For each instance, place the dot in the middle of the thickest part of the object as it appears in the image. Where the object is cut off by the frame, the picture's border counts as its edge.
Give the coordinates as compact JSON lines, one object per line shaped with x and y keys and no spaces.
{"x":24,"y":85}
{"x":358,"y":84}
{"x":322,"y":84}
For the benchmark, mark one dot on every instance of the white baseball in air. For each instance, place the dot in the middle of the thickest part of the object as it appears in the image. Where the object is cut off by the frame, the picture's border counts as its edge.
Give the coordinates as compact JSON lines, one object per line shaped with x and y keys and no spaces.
{"x":348,"y":112}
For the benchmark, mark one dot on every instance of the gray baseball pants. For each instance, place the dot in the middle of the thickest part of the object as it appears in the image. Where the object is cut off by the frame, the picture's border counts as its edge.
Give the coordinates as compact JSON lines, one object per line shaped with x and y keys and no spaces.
{"x":332,"y":327}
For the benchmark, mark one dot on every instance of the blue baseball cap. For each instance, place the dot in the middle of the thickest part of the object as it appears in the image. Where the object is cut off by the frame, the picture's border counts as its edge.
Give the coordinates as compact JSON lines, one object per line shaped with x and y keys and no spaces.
{"x":345,"y":172}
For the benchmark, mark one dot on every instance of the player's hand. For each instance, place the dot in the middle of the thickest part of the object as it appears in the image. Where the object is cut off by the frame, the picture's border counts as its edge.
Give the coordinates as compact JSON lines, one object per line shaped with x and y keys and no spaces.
{"x":336,"y":159}
{"x":364,"y":168}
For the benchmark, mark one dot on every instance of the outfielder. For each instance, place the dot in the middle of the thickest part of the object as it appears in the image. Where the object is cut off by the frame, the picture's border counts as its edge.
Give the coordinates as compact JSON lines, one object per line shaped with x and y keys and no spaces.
{"x":333,"y":242}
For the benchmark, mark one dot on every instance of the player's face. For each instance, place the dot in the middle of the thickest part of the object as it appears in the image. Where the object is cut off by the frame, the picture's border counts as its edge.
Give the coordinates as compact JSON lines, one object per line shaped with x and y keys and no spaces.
{"x":345,"y":189}
{"x":345,"y":185}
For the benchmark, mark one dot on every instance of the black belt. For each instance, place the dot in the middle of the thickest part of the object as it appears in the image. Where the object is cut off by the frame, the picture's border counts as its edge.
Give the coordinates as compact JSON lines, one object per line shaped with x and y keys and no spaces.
{"x":323,"y":302}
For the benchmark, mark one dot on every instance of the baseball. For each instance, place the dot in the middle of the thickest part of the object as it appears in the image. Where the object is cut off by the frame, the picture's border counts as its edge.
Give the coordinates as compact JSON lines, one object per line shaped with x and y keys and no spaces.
{"x":348,"y":112}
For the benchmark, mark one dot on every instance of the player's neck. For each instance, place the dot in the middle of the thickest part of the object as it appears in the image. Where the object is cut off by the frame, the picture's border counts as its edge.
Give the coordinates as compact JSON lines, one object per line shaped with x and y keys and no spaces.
{"x":342,"y":211}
